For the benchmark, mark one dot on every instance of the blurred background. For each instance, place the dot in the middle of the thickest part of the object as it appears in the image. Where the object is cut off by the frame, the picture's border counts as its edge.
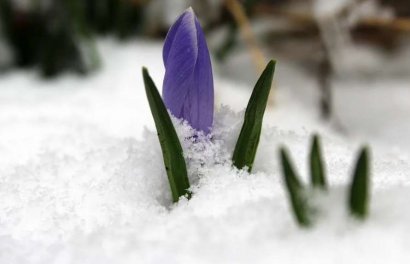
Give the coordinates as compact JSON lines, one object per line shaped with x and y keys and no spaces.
{"x":347,"y":61}
{"x":59,"y":35}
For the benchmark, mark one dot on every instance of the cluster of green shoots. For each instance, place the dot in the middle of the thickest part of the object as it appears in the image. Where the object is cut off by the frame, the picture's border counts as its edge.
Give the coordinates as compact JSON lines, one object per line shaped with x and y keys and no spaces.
{"x":245,"y":150}
{"x":299,"y":194}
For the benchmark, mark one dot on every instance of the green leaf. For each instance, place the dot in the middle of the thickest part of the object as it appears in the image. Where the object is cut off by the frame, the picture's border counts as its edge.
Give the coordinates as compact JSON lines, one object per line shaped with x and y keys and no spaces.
{"x":247,"y":144}
{"x":359,"y":190}
{"x":295,"y":190}
{"x":317,"y":172}
{"x":171,"y":147}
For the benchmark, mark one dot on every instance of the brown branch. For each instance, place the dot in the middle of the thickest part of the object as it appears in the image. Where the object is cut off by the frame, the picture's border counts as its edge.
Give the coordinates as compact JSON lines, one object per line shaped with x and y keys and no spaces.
{"x":239,"y":14}
{"x":397,"y":24}
{"x":241,"y":19}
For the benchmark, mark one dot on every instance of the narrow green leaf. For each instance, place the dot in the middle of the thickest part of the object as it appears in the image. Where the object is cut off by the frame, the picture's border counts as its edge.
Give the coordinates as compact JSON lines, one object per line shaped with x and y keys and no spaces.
{"x":295,"y":190}
{"x":317,"y":172}
{"x":247,"y":144}
{"x":359,"y":190}
{"x":171,"y":147}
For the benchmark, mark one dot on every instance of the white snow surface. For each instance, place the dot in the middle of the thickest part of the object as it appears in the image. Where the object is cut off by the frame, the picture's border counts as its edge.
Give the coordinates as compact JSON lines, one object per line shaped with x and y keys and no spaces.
{"x":82,"y":177}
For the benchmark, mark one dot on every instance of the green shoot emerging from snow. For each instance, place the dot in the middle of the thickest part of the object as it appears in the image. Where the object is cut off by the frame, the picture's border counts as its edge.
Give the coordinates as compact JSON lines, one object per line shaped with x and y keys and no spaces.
{"x":317,"y":172}
{"x":171,"y":147}
{"x":296,"y":191}
{"x":248,"y":141}
{"x":359,"y":190}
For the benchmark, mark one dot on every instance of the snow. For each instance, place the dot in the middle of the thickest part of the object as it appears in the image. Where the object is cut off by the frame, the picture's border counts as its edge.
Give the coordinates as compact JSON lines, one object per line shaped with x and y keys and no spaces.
{"x":329,"y":7}
{"x":82,"y":180}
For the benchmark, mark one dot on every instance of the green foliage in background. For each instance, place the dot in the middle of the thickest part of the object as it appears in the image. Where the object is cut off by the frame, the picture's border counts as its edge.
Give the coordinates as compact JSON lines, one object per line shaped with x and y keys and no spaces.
{"x":59,"y":36}
{"x":122,"y":18}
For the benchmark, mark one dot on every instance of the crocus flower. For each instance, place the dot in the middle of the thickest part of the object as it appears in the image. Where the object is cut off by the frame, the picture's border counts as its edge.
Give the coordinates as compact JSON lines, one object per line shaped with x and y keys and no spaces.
{"x":188,"y":89}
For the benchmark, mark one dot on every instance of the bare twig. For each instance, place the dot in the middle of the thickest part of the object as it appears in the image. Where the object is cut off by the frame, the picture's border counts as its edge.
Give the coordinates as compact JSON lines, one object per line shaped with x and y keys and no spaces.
{"x":325,"y":86}
{"x":397,"y":24}
{"x":242,"y":20}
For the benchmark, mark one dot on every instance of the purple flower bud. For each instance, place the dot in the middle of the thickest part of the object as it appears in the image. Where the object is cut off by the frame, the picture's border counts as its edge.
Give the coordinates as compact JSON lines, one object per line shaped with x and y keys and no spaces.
{"x":188,"y":89}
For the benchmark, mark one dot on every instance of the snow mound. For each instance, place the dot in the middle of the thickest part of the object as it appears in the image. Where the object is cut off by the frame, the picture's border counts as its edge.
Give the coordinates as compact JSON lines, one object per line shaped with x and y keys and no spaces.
{"x":112,"y":203}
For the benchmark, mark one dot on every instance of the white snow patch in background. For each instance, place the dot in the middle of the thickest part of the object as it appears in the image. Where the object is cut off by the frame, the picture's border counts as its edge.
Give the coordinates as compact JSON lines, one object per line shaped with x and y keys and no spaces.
{"x":82,"y":181}
{"x":323,"y":8}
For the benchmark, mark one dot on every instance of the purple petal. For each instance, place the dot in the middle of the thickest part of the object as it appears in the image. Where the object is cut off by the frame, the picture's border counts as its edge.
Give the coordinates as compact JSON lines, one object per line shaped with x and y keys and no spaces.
{"x":169,"y":39}
{"x":202,"y":93}
{"x":188,"y":83}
